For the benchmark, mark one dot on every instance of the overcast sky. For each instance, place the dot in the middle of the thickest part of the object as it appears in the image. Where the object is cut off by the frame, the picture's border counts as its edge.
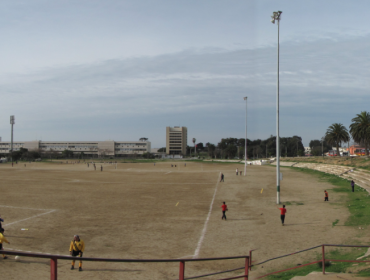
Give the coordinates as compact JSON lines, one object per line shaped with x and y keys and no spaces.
{"x":121,"y":70}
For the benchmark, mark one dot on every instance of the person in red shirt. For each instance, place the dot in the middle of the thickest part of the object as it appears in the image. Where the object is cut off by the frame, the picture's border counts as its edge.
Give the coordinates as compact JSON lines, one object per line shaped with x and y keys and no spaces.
{"x":224,"y":209}
{"x":326,"y":196}
{"x":282,"y":214}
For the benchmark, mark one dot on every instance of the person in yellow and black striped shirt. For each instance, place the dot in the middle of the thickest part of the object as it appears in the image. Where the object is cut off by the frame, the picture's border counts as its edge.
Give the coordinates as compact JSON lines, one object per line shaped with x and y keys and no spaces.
{"x":3,"y":239}
{"x":77,"y":248}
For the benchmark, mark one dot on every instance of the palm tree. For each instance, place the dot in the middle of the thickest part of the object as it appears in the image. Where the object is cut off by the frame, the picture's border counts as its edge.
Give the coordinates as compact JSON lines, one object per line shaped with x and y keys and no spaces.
{"x":360,"y":129}
{"x":335,"y":134}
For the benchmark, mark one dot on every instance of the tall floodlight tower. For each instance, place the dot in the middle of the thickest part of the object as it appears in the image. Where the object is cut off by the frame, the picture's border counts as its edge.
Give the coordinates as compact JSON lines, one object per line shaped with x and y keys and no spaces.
{"x":195,"y":147}
{"x":276,"y":16}
{"x":245,"y":146}
{"x":12,"y":122}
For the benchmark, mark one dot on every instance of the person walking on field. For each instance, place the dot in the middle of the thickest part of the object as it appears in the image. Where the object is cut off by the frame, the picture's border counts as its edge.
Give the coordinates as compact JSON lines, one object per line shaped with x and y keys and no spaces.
{"x":282,"y":214}
{"x":353,"y":186}
{"x":224,"y":209}
{"x":222,"y":177}
{"x":3,"y":239}
{"x":1,"y":221}
{"x":326,"y":196}
{"x":237,"y":171}
{"x":101,"y":167}
{"x":76,"y":249}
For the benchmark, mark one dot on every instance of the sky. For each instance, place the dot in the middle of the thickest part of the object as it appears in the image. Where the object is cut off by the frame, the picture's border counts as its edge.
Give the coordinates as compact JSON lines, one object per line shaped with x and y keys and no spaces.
{"x":121,"y":70}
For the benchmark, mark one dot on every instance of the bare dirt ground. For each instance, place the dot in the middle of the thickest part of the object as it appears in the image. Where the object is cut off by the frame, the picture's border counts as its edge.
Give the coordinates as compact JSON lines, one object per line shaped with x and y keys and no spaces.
{"x":144,"y":211}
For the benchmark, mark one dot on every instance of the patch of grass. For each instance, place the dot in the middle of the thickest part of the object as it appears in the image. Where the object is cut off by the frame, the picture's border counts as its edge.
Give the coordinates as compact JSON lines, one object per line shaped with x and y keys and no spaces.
{"x":335,"y":222}
{"x":293,"y":203}
{"x":337,"y":267}
{"x":358,"y":202}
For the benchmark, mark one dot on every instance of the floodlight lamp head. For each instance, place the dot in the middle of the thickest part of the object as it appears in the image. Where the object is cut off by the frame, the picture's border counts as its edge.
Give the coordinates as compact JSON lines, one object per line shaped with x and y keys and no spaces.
{"x":273,"y":21}
{"x":245,"y":98}
{"x":12,"y":120}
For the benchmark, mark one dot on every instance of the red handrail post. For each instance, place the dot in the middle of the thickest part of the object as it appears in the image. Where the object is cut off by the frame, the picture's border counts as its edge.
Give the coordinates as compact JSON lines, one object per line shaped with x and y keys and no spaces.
{"x":182,"y":270}
{"x":246,"y":270}
{"x":323,"y":259}
{"x":53,"y":269}
{"x":250,"y":260}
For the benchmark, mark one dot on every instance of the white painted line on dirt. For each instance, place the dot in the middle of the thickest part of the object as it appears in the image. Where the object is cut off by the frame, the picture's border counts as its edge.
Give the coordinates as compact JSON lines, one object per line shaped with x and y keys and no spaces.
{"x":26,"y":208}
{"x":167,"y":173}
{"x":197,"y":250}
{"x":30,"y":218}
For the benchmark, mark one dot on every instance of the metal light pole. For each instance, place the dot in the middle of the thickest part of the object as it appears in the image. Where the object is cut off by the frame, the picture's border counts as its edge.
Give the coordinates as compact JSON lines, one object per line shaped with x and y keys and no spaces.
{"x":12,"y":122}
{"x":276,"y":17}
{"x":245,"y":146}
{"x":266,"y":151}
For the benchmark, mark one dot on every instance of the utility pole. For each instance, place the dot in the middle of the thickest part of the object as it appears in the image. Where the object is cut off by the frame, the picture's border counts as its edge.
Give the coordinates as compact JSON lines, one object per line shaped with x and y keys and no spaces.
{"x":12,"y":122}
{"x":245,"y":144}
{"x":276,"y":17}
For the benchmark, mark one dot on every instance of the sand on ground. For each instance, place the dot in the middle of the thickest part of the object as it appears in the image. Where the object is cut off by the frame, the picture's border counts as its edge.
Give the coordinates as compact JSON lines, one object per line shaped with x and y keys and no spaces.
{"x":147,"y":211}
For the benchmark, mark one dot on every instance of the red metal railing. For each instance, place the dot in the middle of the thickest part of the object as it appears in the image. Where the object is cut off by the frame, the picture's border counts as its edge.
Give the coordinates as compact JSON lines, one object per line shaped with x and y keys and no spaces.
{"x":54,"y":263}
{"x":247,"y":266}
{"x":322,"y":258}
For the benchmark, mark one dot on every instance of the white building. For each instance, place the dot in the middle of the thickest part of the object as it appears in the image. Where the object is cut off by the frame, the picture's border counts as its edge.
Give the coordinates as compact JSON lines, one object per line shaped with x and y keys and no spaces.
{"x":100,"y":148}
{"x":176,"y":140}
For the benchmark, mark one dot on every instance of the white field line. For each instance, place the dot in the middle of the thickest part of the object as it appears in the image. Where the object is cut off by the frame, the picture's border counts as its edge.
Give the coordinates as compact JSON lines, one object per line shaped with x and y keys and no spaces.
{"x":30,"y":218}
{"x":167,"y":173}
{"x":25,"y":208}
{"x":197,"y":250}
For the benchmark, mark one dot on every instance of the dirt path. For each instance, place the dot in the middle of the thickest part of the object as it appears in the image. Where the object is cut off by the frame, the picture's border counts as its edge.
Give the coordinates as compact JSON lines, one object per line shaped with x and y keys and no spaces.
{"x":147,"y":211}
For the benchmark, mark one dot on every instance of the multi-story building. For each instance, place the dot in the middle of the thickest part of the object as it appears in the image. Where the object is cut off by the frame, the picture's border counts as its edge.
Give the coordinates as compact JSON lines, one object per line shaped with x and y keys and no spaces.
{"x":100,"y":148}
{"x":176,"y":140}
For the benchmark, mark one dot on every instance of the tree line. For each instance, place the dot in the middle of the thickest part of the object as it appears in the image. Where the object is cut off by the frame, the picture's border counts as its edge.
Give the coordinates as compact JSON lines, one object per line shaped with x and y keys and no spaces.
{"x":359,"y":130}
{"x":229,"y":148}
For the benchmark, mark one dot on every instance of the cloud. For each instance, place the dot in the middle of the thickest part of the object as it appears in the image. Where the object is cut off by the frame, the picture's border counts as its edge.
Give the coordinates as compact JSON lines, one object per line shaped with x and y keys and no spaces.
{"x":323,"y":80}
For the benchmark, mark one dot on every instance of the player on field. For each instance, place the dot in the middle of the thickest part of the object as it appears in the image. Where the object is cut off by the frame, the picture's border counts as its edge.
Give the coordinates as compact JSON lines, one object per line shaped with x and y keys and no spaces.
{"x":237,"y":171}
{"x":1,"y":221}
{"x":77,"y":248}
{"x":224,"y":209}
{"x":282,"y":214}
{"x":222,"y":177}
{"x":326,"y":196}
{"x":101,"y":167}
{"x":3,"y":239}
{"x":353,"y":186}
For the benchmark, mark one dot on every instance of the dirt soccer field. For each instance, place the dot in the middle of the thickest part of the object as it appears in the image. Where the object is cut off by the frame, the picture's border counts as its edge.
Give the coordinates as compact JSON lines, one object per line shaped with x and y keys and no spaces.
{"x":142,"y":210}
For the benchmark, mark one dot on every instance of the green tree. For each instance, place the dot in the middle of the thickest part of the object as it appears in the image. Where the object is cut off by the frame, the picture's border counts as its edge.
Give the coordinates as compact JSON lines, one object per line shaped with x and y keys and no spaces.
{"x":200,"y":146}
{"x":336,"y":134}
{"x":231,"y":151}
{"x":317,"y":147}
{"x":67,"y":153}
{"x":211,"y":149}
{"x":360,"y":129}
{"x":148,"y":155}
